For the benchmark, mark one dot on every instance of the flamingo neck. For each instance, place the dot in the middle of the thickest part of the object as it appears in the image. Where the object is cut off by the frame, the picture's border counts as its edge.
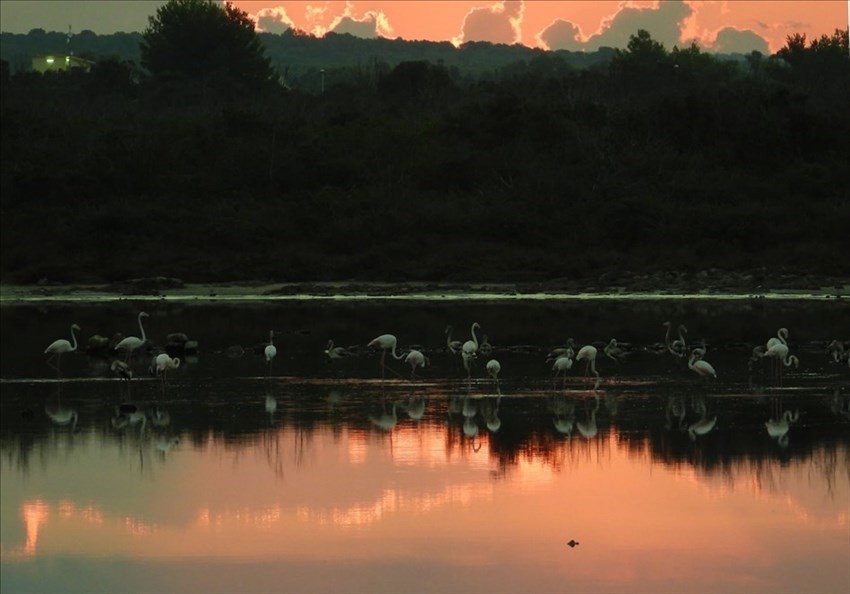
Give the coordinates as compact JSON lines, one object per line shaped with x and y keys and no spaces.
{"x":74,"y":339}
{"x":396,"y":356}
{"x":141,"y":328}
{"x":474,"y":337}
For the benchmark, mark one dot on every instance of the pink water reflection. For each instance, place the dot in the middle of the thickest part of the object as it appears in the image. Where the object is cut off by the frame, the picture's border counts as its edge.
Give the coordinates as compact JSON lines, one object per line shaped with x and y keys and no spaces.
{"x":420,"y":496}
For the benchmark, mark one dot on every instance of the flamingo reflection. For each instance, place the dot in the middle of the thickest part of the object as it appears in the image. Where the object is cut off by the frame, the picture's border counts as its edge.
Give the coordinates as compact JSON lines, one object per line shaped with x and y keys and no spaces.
{"x":588,"y":427}
{"x":564,"y":411}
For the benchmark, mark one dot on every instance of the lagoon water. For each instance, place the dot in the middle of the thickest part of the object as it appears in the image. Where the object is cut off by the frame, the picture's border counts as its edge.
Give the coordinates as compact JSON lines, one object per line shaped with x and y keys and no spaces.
{"x":322,"y":477}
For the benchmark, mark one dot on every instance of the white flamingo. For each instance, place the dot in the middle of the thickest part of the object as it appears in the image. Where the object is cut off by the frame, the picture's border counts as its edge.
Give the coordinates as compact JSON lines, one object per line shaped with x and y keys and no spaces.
{"x":386,"y":342}
{"x":587,"y":353}
{"x":469,"y":351}
{"x":270,"y":351}
{"x":416,"y":359}
{"x":131,"y":343}
{"x":57,"y":347}
{"x":493,"y":368}
{"x":561,"y":366}
{"x":699,"y":366}
{"x":780,"y":338}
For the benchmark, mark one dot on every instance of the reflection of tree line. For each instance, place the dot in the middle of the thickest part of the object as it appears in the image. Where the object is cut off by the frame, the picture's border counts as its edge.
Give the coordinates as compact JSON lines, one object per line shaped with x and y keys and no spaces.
{"x":546,"y":424}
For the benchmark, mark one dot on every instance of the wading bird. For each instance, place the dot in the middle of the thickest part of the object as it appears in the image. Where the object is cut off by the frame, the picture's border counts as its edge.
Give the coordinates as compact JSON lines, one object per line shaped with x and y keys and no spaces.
{"x":131,"y":343}
{"x":587,"y":354}
{"x":270,"y":351}
{"x":386,"y":342}
{"x":700,"y":367}
{"x":416,"y":359}
{"x":678,"y":347}
{"x":454,"y":346}
{"x":57,"y":347}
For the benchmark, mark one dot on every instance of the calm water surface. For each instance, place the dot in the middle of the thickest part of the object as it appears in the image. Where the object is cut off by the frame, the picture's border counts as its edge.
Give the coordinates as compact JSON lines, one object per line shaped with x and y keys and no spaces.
{"x":320,"y":477}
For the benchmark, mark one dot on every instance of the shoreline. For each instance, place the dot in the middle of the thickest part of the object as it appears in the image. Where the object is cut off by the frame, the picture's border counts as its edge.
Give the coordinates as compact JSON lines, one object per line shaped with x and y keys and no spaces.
{"x":657,"y":286}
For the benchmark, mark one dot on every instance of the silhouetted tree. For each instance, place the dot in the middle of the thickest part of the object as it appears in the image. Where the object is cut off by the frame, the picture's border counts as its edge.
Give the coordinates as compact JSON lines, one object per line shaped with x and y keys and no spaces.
{"x":205,"y":41}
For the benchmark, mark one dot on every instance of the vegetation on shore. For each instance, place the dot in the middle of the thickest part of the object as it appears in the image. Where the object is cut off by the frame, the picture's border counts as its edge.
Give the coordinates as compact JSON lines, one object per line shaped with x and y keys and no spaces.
{"x":654,"y":160}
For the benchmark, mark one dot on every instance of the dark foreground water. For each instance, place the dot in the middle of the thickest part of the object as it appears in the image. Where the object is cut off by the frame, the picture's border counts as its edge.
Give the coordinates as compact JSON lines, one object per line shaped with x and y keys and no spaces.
{"x":320,"y":477}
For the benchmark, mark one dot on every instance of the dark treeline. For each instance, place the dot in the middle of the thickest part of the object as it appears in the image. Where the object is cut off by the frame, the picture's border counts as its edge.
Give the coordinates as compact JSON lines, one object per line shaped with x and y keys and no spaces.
{"x":531,"y":170}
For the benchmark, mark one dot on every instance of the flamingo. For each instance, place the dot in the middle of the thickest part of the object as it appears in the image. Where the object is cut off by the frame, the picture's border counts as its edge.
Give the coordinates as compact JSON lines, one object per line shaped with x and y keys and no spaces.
{"x":386,"y":342}
{"x":416,"y":359}
{"x":560,"y":367}
{"x":587,"y":353}
{"x":270,"y":351}
{"x":565,"y":351}
{"x":454,"y":346}
{"x":779,"y":352}
{"x":613,"y":351}
{"x":493,"y":368}
{"x":702,"y":368}
{"x":780,"y":338}
{"x":162,"y":363}
{"x":121,"y":369}
{"x":679,"y":346}
{"x":57,"y":347}
{"x":485,"y":347}
{"x":335,"y":352}
{"x":131,"y":343}
{"x":469,"y":351}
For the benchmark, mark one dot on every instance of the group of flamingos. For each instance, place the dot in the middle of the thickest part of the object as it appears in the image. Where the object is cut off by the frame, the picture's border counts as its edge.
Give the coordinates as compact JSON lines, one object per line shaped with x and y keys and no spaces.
{"x":562,"y":358}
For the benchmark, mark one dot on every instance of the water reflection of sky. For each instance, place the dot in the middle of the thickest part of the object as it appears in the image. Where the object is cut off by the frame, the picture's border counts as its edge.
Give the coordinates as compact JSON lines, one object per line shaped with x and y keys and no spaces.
{"x":406,"y":499}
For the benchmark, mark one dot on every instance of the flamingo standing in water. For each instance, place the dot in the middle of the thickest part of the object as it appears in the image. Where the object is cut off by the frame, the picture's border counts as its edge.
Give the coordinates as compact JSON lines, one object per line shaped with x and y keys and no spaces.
{"x":162,"y":363}
{"x":131,"y":343}
{"x":679,"y":346}
{"x":469,"y":350}
{"x":587,"y":353}
{"x":560,"y":367}
{"x":57,"y":347}
{"x":454,"y":346}
{"x":416,"y":359}
{"x":386,"y":342}
{"x":700,"y":367}
{"x":779,"y":353}
{"x":270,"y":351}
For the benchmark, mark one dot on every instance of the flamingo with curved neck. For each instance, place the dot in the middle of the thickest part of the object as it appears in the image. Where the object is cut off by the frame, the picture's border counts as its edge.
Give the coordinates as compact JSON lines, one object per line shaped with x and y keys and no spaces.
{"x":57,"y":347}
{"x":131,"y":343}
{"x":386,"y":342}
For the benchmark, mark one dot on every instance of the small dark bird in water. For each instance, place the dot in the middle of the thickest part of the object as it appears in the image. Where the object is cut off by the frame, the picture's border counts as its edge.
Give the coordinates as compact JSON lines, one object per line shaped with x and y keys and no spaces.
{"x":572,"y":543}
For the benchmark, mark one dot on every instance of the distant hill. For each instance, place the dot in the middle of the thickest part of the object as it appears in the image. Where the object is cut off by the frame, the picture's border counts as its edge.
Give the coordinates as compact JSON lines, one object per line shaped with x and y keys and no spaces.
{"x":296,"y":54}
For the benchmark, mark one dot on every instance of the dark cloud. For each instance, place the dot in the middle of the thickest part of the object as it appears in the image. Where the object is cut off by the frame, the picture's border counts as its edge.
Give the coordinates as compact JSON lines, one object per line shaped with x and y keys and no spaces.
{"x":270,"y":24}
{"x":562,"y":35}
{"x":367,"y":28}
{"x":273,"y":20}
{"x":497,"y":24}
{"x":663,"y":24}
{"x":731,"y":40}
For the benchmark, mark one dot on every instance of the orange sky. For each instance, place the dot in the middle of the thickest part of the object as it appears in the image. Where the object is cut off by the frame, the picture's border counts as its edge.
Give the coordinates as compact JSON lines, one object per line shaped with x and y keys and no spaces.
{"x":573,"y":25}
{"x":578,"y":24}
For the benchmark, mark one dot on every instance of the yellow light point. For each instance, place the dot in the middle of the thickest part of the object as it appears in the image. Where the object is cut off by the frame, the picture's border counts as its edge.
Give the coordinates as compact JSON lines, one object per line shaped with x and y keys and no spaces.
{"x":49,"y":59}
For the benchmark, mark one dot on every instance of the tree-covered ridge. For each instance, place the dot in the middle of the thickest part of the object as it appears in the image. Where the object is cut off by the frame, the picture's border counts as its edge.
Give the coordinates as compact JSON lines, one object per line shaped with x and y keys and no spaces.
{"x":532,"y":170}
